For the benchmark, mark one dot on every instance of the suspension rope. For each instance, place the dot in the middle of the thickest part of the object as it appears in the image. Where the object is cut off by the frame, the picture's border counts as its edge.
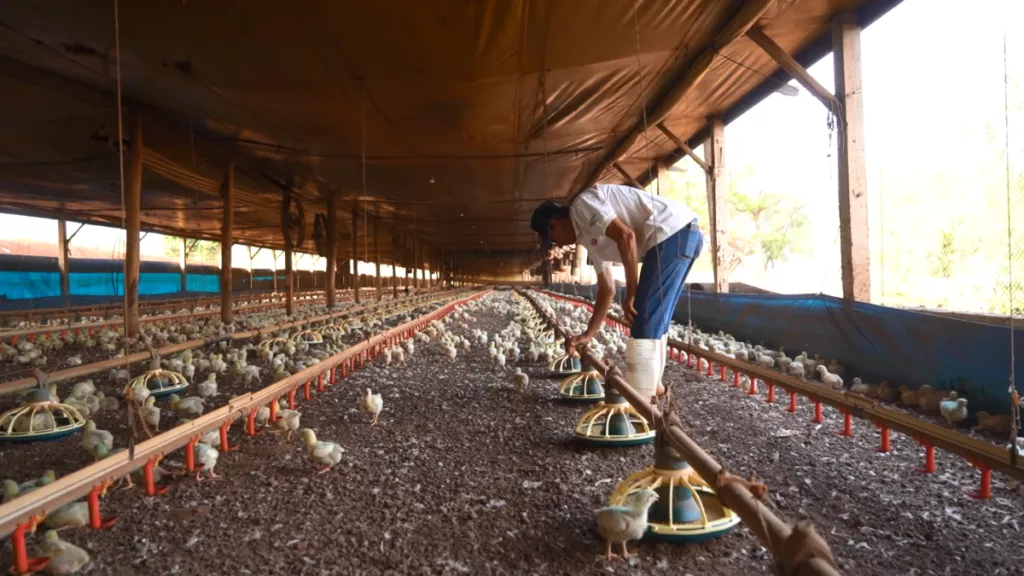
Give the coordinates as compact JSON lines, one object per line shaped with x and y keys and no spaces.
{"x":120,"y":130}
{"x":1014,"y":397}
{"x":647,"y":151}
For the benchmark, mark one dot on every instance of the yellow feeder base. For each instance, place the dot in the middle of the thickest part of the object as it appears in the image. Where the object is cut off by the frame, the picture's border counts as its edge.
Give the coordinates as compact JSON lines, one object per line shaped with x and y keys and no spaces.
{"x":614,"y":423}
{"x":688,"y":510}
{"x":583,"y":388}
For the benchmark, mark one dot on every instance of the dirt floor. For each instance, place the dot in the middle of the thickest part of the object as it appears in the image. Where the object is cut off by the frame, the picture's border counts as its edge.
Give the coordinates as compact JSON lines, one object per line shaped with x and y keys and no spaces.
{"x":465,"y":476}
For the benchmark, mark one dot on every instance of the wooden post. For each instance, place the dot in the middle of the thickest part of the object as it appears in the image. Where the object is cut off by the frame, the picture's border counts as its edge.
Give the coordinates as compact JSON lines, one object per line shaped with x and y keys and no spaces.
{"x":227,"y":224}
{"x":289,"y":280}
{"x":182,"y":263}
{"x":415,"y":260}
{"x":332,"y":252}
{"x":394,"y":264}
{"x":274,"y":254}
{"x":855,"y":255}
{"x":376,"y":259}
{"x":714,"y":155}
{"x":132,"y":208}
{"x":355,"y":252}
{"x":62,"y":258}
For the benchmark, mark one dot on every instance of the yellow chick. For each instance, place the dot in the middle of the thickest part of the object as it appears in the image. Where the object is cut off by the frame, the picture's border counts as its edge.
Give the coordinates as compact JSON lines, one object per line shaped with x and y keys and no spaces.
{"x":191,"y":407}
{"x":620,"y":524}
{"x":288,"y":423}
{"x":65,"y":557}
{"x":73,"y":515}
{"x":373,"y":404}
{"x":954,"y":409}
{"x":908,"y":397}
{"x":151,"y":413}
{"x":326,"y":454}
{"x":208,"y":387}
{"x":93,"y":437}
{"x":885,"y":391}
{"x":206,"y":456}
{"x":995,"y":423}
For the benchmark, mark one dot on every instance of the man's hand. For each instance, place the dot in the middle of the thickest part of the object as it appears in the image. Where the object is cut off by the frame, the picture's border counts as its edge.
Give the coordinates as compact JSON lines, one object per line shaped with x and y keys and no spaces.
{"x":628,"y":310}
{"x":577,"y":341}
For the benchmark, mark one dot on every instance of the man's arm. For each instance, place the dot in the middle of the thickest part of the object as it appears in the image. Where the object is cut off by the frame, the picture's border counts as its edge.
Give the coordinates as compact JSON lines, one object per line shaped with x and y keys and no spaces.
{"x":605,"y":293}
{"x":625,"y":239}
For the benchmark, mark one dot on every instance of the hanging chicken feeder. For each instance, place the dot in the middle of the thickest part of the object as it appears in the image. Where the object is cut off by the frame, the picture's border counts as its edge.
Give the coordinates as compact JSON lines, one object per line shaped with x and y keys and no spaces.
{"x":273,"y":343}
{"x":39,"y":419}
{"x":332,"y":330}
{"x":161,"y":383}
{"x":308,"y":336}
{"x":687,"y":510}
{"x":614,"y":423}
{"x":583,"y":388}
{"x":565,"y":365}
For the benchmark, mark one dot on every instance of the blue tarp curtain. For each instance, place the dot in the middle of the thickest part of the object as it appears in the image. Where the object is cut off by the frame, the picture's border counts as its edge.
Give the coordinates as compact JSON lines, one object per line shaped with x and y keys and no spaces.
{"x":874,"y":342}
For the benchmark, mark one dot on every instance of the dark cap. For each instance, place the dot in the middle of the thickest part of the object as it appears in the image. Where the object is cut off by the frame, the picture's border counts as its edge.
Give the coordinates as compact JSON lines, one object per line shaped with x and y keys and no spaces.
{"x":541,"y":220}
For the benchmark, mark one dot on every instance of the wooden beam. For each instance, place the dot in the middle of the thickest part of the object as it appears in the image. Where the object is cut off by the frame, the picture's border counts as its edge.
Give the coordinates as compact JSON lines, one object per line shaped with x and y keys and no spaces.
{"x":714,"y":152}
{"x":62,"y":258}
{"x":854,"y":247}
{"x":746,"y":16}
{"x":227,"y":315}
{"x":332,"y":252}
{"x":792,"y":67}
{"x":355,"y":251}
{"x":132,"y":205}
{"x":682,"y":146}
{"x":629,"y":179}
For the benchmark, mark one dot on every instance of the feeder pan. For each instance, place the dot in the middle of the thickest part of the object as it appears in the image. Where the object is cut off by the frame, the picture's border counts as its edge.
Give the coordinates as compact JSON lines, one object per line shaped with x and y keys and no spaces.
{"x":614,"y":423}
{"x":270,"y":343}
{"x":331,"y":329}
{"x":565,"y":365}
{"x":39,"y":419}
{"x":583,"y":388}
{"x":687,"y":510}
{"x":161,"y":382}
{"x":308,"y":336}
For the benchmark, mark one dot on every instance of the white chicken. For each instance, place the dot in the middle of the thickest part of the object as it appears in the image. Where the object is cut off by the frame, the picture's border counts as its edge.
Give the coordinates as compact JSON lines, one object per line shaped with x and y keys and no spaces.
{"x":326,"y":454}
{"x":833,"y":381}
{"x":208,"y":387}
{"x":522,"y":381}
{"x":372,"y":404}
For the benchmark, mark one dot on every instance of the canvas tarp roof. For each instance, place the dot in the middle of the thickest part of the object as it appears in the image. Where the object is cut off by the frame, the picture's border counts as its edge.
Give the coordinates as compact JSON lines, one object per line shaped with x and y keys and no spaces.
{"x":471,"y":111}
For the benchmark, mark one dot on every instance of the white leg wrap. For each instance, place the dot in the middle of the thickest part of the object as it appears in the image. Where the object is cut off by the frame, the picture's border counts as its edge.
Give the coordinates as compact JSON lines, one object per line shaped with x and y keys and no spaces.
{"x":643,"y":365}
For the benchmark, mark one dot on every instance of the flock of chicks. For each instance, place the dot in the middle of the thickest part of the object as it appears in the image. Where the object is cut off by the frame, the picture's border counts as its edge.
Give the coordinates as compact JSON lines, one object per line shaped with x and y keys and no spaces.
{"x":831,"y":373}
{"x":281,"y":356}
{"x":52,"y":350}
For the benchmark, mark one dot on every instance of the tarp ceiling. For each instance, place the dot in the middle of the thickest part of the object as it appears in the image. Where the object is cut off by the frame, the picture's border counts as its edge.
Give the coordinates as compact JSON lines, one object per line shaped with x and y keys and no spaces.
{"x":467,"y":112}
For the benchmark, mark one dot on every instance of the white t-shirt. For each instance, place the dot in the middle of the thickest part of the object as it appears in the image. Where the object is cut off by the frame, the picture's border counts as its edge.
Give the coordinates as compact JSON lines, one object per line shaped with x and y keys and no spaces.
{"x":652,"y":218}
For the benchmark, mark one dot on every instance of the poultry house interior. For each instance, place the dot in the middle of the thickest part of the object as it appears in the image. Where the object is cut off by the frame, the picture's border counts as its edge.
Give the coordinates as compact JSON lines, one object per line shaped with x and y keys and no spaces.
{"x":281,"y":303}
{"x":487,"y":477}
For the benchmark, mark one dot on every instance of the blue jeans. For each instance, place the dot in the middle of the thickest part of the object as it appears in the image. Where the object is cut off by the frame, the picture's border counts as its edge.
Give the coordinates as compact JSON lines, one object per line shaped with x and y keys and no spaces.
{"x":661,"y":281}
